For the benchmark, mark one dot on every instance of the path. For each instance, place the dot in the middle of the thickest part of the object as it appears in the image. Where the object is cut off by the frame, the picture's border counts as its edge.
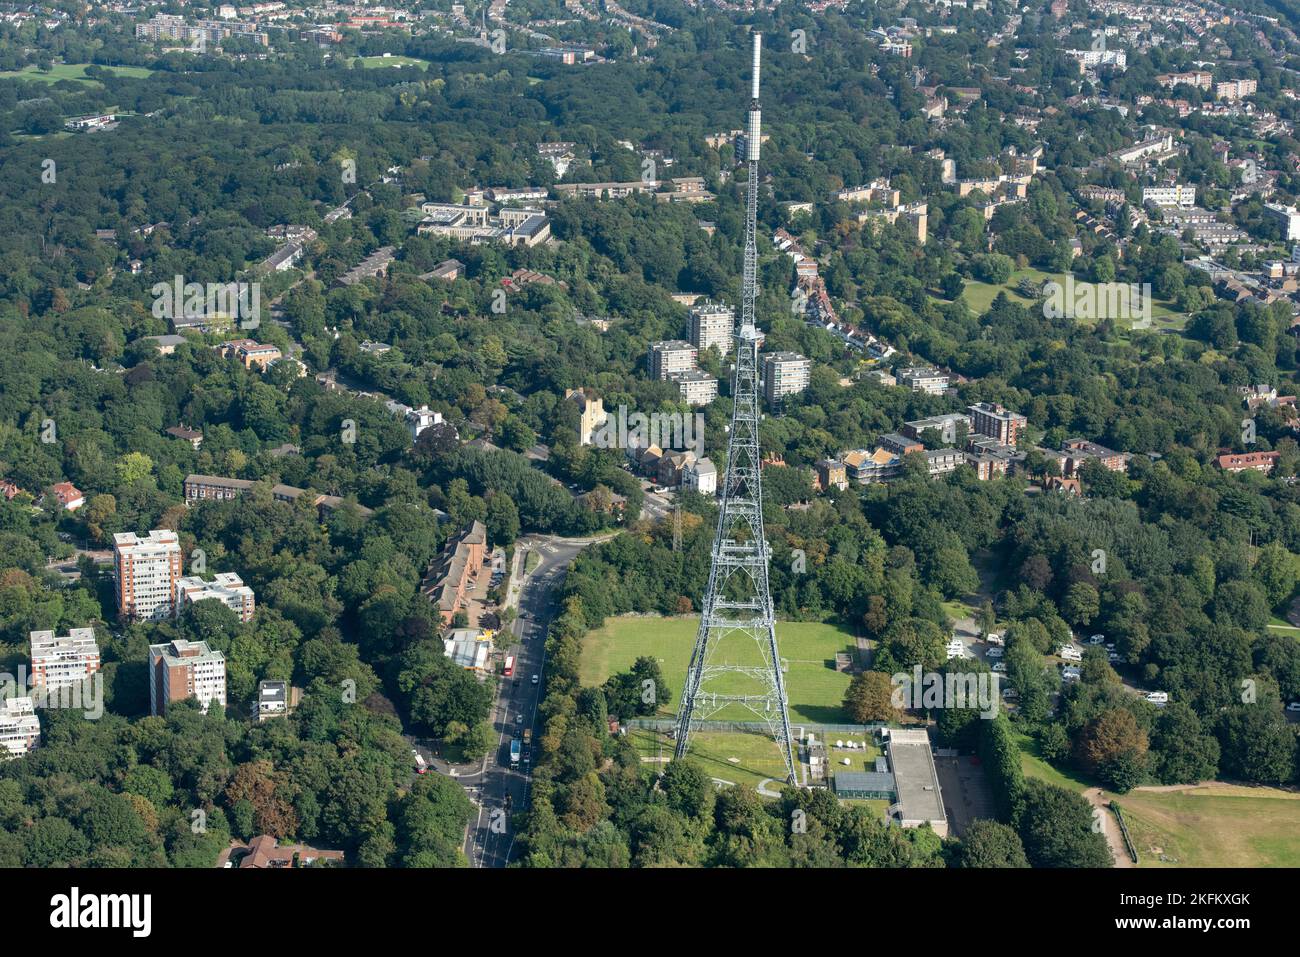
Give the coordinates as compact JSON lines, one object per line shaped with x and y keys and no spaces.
{"x":1110,"y":827}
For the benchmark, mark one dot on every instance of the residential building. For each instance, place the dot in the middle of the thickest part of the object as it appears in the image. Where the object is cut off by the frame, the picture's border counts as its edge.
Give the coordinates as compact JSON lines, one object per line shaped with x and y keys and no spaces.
{"x":20,"y":729}
{"x":950,"y":426}
{"x":1172,"y":195}
{"x":991,"y":419}
{"x":250,"y":353}
{"x":695,"y":386}
{"x":1287,"y":216}
{"x":943,"y":461}
{"x":1235,"y":89}
{"x":832,"y":473}
{"x":923,"y":379}
{"x":1248,"y":462}
{"x":898,"y":444}
{"x":183,"y":669}
{"x":68,"y":496}
{"x":702,"y":476}
{"x":784,"y":373}
{"x":147,"y":570}
{"x":193,"y":436}
{"x":1074,"y":452}
{"x":63,"y":660}
{"x":669,"y":356}
{"x":452,"y":573}
{"x":227,"y":588}
{"x":199,"y":488}
{"x":264,"y":852}
{"x":591,"y":413}
{"x":417,"y":420}
{"x":272,"y":700}
{"x":712,"y":325}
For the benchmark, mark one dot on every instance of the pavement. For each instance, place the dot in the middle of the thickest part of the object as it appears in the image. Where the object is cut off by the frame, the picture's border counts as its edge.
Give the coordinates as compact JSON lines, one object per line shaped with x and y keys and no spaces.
{"x":498,"y":789}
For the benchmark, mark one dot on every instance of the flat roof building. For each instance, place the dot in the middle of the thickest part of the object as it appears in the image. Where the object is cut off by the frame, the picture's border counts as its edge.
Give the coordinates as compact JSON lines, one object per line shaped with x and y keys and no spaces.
{"x":227,"y":588}
{"x":20,"y":729}
{"x":183,"y":669}
{"x":784,"y":373}
{"x":61,"y":661}
{"x":920,"y":800}
{"x":147,"y":570}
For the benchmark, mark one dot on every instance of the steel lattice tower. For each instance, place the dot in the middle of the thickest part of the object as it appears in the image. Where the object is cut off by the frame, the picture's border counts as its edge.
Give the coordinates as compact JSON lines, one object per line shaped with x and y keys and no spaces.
{"x":737,"y":611}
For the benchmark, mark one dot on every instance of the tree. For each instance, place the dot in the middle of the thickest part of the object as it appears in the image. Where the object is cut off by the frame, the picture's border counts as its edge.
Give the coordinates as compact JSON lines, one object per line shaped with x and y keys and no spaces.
{"x":869,"y":697}
{"x":1114,"y":748}
{"x":1181,"y":751}
{"x":990,"y":844}
{"x":1056,"y":828}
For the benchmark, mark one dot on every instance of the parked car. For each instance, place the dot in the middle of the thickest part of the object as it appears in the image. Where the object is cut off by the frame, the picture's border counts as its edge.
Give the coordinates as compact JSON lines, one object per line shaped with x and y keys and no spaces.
{"x":1096,"y":639}
{"x":1113,"y":657}
{"x":994,"y":653}
{"x":1000,"y":666}
{"x":1293,"y":706}
{"x":536,"y":678}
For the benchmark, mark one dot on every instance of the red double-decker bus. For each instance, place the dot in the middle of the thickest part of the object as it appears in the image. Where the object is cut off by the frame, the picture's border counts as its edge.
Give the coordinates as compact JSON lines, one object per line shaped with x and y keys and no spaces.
{"x":510,"y":665}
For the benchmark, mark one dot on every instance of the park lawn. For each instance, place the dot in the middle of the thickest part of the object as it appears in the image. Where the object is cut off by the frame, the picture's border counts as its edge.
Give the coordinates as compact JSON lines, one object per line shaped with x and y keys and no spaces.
{"x":370,"y":62}
{"x":1215,"y":826}
{"x":1034,"y":766}
{"x":733,"y":758}
{"x":980,"y":295}
{"x":73,"y":71}
{"x":814,"y":688}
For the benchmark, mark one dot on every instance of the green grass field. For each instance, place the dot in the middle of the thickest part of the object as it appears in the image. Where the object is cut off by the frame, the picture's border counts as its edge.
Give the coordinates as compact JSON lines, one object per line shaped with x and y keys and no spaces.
{"x":1035,"y":767}
{"x":73,"y":71}
{"x":814,"y":688}
{"x":745,"y":760}
{"x":1216,"y":826}
{"x":393,"y":61}
{"x":980,"y":295}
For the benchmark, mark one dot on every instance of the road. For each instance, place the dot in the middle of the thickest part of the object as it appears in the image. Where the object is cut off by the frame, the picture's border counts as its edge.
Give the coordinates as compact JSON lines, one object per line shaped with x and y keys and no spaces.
{"x":500,"y":790}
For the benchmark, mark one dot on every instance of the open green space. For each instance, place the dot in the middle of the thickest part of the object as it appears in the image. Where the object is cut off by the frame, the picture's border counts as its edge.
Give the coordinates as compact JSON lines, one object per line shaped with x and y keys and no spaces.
{"x":814,"y":688}
{"x":980,"y":295}
{"x":1034,"y":766}
{"x":745,"y":760}
{"x":72,"y":71}
{"x":395,"y":60}
{"x":1217,"y":825}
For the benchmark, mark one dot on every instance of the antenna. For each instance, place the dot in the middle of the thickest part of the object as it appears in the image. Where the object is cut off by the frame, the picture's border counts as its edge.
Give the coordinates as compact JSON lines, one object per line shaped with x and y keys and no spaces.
{"x":753,"y":130}
{"x":758,"y":47}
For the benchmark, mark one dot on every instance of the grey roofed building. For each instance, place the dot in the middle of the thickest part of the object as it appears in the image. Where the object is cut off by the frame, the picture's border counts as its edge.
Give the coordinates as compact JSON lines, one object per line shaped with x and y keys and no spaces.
{"x":865,"y":785}
{"x":917,"y":783}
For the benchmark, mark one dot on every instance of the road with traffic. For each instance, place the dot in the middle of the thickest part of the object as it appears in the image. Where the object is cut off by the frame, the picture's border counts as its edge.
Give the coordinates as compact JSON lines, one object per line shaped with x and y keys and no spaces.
{"x":499,"y":789}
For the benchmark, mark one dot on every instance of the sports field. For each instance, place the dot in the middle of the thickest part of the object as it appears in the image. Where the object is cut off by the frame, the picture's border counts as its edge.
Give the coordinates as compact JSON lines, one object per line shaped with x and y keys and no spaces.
{"x":814,"y":688}
{"x":1216,"y":825}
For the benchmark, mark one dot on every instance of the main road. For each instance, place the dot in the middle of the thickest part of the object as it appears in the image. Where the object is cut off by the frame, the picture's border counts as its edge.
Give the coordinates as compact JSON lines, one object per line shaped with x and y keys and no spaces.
{"x":501,"y":790}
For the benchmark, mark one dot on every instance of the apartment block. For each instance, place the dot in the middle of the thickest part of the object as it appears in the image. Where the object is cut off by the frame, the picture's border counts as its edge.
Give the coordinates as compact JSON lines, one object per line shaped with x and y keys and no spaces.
{"x":991,"y":419}
{"x":669,"y":356}
{"x":695,"y":386}
{"x":227,"y":588}
{"x":1175,"y":195}
{"x":185,"y":669}
{"x":1235,"y":89}
{"x":64,"y":660}
{"x":147,"y":572}
{"x":923,"y":379}
{"x":20,"y":729}
{"x":784,"y":373}
{"x":713,"y":324}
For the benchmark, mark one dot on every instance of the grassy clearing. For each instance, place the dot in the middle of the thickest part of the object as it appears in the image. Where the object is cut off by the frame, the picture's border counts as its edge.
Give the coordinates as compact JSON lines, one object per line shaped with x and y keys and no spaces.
{"x":814,"y":688}
{"x":980,"y":295}
{"x":1217,"y":825}
{"x":370,"y":62}
{"x":73,"y":71}
{"x":745,"y":760}
{"x":1035,"y":767}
